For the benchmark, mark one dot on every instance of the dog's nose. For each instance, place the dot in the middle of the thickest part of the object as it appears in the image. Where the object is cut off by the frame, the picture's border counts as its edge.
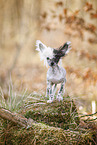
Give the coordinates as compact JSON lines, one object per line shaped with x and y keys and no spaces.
{"x":52,"y":63}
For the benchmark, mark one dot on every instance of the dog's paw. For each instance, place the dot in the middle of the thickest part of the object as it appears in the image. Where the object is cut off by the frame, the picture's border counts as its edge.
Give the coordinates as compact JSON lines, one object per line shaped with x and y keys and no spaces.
{"x":46,"y":96}
{"x":50,"y":101}
{"x":59,"y":98}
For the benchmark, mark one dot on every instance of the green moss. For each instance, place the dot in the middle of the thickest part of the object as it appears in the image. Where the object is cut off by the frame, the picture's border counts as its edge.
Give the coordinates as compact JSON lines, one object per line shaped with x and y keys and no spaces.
{"x":58,"y":114}
{"x":41,"y":134}
{"x":53,"y":124}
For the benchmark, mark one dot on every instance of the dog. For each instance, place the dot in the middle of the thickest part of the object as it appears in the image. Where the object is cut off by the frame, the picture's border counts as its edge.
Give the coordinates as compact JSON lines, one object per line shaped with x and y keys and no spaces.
{"x":56,"y":74}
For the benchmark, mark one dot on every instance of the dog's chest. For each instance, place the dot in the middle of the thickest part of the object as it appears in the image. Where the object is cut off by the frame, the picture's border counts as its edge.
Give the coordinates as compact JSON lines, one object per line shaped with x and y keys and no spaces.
{"x":56,"y":75}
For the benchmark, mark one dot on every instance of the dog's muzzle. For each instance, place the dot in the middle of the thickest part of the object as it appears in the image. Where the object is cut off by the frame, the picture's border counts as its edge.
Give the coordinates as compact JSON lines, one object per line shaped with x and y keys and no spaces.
{"x":52,"y":63}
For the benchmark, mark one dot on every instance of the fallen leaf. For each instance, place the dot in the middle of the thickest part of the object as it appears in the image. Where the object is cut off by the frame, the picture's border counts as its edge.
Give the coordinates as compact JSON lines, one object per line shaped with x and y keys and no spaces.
{"x":59,"y":3}
{"x":91,"y":27}
{"x":65,"y":12}
{"x":70,"y":19}
{"x":44,"y":15}
{"x":47,"y":28}
{"x":88,"y":7}
{"x":60,"y":17}
{"x":76,"y":12}
{"x":92,"y":40}
{"x":93,"y":15}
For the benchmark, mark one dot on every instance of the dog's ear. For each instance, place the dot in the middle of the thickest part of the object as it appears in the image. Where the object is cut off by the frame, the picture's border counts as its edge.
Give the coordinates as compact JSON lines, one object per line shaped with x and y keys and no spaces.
{"x":40,"y":46}
{"x":63,"y":50}
{"x":44,"y":51}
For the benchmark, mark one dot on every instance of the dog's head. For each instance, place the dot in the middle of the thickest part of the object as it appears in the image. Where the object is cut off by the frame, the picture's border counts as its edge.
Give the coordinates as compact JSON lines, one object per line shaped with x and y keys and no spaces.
{"x":50,"y":55}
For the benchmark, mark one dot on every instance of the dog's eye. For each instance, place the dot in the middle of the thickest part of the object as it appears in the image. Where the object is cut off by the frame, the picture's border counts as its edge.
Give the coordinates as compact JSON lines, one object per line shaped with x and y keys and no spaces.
{"x":47,"y":58}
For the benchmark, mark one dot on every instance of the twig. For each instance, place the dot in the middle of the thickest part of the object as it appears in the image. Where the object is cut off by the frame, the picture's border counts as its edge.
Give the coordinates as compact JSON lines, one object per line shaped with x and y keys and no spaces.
{"x":88,"y":115}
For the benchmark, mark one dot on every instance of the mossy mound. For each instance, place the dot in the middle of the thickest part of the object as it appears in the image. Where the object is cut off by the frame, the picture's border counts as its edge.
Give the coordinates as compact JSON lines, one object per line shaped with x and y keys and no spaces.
{"x":58,"y":114}
{"x":41,"y":134}
{"x":53,"y":123}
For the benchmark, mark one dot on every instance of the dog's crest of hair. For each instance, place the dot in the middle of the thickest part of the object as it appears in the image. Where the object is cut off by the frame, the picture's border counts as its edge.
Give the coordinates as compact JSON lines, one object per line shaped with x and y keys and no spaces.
{"x":44,"y":52}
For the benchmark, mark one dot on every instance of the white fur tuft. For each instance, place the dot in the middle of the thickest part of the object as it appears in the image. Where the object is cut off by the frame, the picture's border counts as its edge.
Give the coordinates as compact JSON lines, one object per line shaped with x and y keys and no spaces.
{"x":46,"y":52}
{"x":37,"y":45}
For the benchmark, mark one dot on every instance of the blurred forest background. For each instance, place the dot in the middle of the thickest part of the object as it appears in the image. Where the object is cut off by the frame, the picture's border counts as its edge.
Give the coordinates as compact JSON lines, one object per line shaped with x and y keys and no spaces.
{"x":54,"y":22}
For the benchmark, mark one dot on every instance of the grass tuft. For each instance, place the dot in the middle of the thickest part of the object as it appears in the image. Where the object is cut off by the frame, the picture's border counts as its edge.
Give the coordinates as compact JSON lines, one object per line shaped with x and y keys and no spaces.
{"x":12,"y":101}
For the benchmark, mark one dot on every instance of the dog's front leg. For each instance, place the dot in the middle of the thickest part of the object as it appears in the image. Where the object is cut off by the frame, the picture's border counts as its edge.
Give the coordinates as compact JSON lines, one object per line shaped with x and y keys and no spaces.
{"x":61,"y":91}
{"x":48,"y":88}
{"x":54,"y":89}
{"x":51,"y":97}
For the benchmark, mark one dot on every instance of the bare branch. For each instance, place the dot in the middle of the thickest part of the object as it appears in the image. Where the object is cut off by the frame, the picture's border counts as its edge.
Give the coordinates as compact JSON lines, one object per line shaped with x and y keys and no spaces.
{"x":14,"y":118}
